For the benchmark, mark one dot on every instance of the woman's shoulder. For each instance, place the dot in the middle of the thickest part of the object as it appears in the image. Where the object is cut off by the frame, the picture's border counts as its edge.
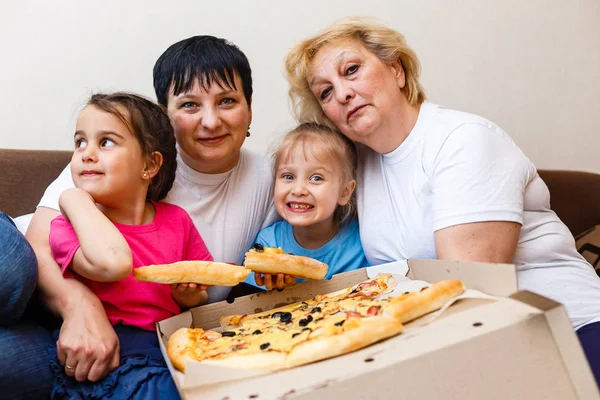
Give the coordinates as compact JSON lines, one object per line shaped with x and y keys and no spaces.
{"x":253,"y":172}
{"x":253,"y":159}
{"x":446,"y":128}
{"x":441,"y":122}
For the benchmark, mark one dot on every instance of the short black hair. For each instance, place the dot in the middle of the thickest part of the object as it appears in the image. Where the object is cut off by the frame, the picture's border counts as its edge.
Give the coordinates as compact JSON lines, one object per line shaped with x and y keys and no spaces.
{"x":204,"y":59}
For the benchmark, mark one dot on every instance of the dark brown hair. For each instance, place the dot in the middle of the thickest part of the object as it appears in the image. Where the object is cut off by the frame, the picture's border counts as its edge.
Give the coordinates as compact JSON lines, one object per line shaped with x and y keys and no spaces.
{"x":149,"y":123}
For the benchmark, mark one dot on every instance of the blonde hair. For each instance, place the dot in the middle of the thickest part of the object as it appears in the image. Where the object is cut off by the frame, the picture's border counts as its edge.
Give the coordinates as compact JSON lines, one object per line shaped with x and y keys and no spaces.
{"x":323,"y":143}
{"x":387,"y":44}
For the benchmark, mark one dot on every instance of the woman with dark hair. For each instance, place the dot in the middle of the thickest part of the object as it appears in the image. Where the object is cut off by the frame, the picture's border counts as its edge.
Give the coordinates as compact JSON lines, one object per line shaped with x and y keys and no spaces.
{"x":205,"y":84}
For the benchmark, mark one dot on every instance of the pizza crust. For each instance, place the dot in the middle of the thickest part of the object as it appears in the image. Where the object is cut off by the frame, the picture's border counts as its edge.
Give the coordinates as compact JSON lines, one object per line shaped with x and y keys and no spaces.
{"x":201,"y":272}
{"x":269,"y":360}
{"x":274,"y":263}
{"x":330,"y":338}
{"x":179,"y":348}
{"x":413,"y":306}
{"x":370,"y":330}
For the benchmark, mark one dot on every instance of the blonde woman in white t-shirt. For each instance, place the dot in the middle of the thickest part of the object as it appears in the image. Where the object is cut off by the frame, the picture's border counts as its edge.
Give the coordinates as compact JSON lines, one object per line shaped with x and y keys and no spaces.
{"x":437,"y":183}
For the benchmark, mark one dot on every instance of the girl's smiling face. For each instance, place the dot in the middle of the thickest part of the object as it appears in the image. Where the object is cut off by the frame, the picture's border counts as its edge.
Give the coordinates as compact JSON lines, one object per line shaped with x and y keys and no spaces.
{"x":308,"y":188}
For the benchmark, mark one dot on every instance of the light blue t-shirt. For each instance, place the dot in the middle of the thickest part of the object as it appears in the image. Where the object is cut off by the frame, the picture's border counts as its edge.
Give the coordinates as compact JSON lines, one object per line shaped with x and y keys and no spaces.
{"x":342,"y":253}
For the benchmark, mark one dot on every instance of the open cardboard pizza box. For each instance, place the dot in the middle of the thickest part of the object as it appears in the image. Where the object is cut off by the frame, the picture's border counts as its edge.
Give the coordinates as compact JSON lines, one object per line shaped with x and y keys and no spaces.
{"x":516,"y":347}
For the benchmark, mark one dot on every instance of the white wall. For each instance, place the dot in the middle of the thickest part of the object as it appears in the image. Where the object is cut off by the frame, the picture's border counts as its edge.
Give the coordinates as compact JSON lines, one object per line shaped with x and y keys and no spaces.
{"x":532,"y":66}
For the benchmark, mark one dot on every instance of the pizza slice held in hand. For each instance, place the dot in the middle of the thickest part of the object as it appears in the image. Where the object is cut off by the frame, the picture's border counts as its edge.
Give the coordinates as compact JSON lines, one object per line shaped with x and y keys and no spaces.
{"x":269,"y":260}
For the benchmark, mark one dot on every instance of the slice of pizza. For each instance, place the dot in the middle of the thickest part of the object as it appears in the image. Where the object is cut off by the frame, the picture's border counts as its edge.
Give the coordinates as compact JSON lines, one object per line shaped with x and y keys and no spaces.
{"x":413,"y":305}
{"x":325,"y":326}
{"x":269,"y":260}
{"x":201,"y":272}
{"x":281,"y":347}
{"x":315,"y":308}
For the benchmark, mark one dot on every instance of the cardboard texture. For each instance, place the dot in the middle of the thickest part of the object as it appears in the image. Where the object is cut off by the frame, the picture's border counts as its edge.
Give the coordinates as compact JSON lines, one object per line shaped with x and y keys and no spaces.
{"x":522,"y":347}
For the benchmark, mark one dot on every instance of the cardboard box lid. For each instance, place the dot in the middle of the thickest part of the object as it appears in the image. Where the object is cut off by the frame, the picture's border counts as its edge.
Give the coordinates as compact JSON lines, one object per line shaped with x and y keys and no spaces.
{"x":525,"y":344}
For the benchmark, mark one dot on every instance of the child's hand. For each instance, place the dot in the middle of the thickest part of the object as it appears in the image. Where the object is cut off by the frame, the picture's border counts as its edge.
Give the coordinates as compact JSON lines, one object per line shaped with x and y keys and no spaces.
{"x":189,"y":295}
{"x":270,"y":282}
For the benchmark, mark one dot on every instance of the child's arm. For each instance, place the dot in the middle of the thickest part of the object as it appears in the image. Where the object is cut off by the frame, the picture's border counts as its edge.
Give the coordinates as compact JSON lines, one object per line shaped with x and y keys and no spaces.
{"x":104,"y":254}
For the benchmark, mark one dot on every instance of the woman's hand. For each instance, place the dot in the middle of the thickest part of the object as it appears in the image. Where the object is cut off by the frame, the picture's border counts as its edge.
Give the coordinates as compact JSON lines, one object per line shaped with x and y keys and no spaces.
{"x":87,"y":346}
{"x":270,"y":282}
{"x":189,"y":295}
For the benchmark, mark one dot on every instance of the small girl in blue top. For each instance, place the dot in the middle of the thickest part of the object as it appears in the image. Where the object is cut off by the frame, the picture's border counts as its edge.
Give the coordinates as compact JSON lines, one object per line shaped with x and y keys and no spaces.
{"x":314,"y":169}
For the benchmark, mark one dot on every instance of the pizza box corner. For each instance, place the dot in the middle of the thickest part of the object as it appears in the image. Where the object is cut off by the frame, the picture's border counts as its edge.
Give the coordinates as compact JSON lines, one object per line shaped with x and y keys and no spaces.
{"x":518,"y":345}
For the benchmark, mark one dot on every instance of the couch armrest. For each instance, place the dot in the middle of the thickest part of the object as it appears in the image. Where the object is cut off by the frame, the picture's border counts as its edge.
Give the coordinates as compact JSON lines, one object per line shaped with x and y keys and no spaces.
{"x":575,"y":197}
{"x":25,"y":174}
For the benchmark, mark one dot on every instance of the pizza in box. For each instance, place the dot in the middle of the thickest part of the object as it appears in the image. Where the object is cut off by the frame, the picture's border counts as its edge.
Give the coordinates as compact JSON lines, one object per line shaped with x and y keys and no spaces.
{"x":325,"y":326}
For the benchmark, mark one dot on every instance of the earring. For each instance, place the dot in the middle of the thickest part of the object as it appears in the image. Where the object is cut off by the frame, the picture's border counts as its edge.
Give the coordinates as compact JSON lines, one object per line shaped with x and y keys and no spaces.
{"x":248,"y":134}
{"x":145,"y":174}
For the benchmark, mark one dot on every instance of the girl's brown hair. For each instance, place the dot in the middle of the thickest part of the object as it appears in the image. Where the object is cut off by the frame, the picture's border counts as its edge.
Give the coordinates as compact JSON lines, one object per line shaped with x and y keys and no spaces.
{"x":150,"y":125}
{"x":323,"y":142}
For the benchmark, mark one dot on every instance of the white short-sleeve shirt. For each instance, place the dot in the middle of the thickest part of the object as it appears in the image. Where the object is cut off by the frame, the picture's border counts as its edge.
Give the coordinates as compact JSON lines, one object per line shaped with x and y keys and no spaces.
{"x":457,"y":168}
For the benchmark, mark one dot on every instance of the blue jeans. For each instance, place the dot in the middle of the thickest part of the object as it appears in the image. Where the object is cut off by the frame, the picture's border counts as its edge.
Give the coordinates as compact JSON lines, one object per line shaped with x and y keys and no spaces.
{"x":589,"y":336}
{"x":141,"y":374}
{"x":24,"y":359}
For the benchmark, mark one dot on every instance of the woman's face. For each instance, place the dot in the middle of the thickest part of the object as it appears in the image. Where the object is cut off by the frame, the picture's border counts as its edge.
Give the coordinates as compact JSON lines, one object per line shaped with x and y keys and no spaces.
{"x":358,"y":92}
{"x":210,"y":126}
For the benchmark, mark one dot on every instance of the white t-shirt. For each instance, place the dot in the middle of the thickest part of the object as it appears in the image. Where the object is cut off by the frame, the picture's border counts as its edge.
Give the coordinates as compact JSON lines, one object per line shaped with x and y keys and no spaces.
{"x":457,"y":168}
{"x":228,"y":209}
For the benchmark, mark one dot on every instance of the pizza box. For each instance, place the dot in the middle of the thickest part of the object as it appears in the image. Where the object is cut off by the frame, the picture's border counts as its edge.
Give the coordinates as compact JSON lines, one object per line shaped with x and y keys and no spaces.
{"x":516,"y":345}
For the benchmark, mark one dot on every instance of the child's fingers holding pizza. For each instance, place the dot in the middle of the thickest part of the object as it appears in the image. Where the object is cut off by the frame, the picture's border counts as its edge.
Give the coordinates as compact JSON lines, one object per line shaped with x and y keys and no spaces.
{"x":268,"y":281}
{"x":289,"y":280}
{"x":259,"y":279}
{"x":274,"y":281}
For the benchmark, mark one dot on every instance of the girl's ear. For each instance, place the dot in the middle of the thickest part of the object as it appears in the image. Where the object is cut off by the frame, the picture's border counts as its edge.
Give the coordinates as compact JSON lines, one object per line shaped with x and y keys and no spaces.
{"x":347,"y":191}
{"x":153,"y":163}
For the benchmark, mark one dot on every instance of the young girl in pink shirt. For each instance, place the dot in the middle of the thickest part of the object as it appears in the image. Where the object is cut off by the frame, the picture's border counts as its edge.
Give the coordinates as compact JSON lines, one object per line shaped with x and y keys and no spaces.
{"x":124,"y":163}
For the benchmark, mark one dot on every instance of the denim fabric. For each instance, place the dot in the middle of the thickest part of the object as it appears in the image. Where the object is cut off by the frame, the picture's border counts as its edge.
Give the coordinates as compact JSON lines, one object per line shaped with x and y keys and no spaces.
{"x":141,"y":374}
{"x":25,"y":362}
{"x":18,"y":269}
{"x":589,"y":337}
{"x":24,"y":359}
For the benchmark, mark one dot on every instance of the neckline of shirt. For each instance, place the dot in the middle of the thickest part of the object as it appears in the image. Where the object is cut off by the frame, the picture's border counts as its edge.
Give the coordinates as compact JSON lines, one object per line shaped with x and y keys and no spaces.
{"x":190,"y":174}
{"x":152,"y":226}
{"x":332,"y":244}
{"x":414,"y":137}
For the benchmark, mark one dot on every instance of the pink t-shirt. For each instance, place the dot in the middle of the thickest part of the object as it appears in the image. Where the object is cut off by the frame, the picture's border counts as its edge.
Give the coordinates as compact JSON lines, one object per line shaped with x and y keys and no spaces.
{"x":171,"y":237}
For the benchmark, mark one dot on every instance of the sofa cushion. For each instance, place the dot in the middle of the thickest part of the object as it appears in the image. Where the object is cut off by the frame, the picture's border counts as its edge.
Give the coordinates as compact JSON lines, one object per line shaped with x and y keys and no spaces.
{"x":575,"y":198}
{"x":25,"y":174}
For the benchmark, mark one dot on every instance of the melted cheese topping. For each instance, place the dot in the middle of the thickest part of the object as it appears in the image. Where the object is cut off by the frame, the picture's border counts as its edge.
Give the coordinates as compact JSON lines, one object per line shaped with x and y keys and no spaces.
{"x":283,"y":328}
